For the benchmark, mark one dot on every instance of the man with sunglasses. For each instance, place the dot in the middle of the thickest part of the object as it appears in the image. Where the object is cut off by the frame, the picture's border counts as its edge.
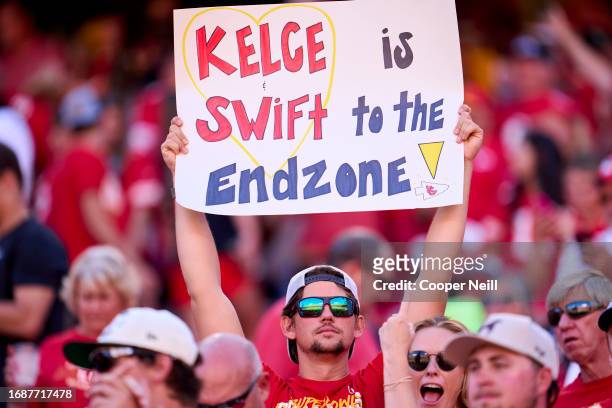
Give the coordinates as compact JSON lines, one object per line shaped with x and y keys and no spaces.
{"x":511,"y":362}
{"x":232,"y":374}
{"x":153,"y":348}
{"x":575,"y":303}
{"x":321,"y":318}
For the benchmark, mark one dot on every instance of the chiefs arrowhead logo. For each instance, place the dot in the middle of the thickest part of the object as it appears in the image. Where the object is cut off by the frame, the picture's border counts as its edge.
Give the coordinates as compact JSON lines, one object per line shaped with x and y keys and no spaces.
{"x":429,"y":190}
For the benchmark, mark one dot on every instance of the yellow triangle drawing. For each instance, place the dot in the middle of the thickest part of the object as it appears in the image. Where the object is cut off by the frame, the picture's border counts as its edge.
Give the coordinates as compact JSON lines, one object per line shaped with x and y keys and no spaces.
{"x":431,"y":154}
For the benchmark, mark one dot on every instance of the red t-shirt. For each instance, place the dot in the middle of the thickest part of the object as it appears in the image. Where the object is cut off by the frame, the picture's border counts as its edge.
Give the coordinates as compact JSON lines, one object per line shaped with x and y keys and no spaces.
{"x":82,"y":170}
{"x":363,"y":389}
{"x":143,"y":170}
{"x":269,"y":339}
{"x":586,"y":395}
{"x":55,"y":371}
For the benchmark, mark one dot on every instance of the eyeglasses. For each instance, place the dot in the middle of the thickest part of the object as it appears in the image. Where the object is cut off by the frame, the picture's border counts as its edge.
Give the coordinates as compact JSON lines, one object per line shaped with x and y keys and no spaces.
{"x":104,"y":359}
{"x":340,"y":306}
{"x":237,"y":402}
{"x":418,"y":360}
{"x":574,"y":310}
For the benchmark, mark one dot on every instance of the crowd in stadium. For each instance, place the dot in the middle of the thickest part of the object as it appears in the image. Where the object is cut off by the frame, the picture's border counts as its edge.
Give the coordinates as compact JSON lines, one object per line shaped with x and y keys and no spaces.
{"x":111,"y":289}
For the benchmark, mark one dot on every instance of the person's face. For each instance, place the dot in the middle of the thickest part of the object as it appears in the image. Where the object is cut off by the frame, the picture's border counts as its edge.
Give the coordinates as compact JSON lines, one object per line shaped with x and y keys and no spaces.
{"x":325,"y":334}
{"x":523,"y":161}
{"x":434,"y":386}
{"x":96,"y":305}
{"x":500,"y":378}
{"x":580,"y":189}
{"x":530,"y":77}
{"x":111,"y":125}
{"x":580,"y":339}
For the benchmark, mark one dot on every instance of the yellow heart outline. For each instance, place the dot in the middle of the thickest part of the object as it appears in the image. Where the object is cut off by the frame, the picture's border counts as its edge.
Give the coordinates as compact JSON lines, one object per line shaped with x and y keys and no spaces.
{"x":257,"y":21}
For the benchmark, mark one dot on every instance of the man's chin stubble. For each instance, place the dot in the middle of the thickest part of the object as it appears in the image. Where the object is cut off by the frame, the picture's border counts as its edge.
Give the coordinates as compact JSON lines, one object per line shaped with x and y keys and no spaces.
{"x":318,"y":348}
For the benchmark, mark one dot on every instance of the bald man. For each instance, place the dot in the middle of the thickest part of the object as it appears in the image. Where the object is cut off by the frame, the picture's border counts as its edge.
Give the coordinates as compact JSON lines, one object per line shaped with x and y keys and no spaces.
{"x":231,"y":373}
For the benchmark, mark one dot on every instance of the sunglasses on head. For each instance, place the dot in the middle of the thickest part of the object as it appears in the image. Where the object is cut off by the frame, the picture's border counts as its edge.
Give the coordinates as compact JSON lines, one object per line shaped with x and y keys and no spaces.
{"x":104,"y":359}
{"x":340,"y":306}
{"x":574,"y":310}
{"x":418,"y":360}
{"x":237,"y":402}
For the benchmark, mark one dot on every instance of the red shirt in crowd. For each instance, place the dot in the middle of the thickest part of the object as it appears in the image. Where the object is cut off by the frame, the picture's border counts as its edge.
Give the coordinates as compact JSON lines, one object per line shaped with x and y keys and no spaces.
{"x":143,"y":174}
{"x":362,"y":389}
{"x":82,"y":170}
{"x":586,"y":395}
{"x":55,"y":371}
{"x":269,"y":339}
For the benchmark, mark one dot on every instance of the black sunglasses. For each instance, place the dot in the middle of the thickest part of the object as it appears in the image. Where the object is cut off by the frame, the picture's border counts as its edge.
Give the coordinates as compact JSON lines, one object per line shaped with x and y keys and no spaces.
{"x":340,"y":306}
{"x":418,"y":360}
{"x":104,"y":359}
{"x":237,"y":402}
{"x":574,"y":310}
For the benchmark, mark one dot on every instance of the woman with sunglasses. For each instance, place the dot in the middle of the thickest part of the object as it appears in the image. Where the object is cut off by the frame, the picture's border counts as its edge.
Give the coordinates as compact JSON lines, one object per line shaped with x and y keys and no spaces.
{"x":575,"y":303}
{"x":426,"y":378}
{"x":99,"y":285}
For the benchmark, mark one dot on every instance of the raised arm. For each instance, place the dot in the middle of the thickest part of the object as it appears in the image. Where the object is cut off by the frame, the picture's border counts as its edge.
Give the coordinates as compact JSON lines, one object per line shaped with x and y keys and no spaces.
{"x":198,"y":255}
{"x":396,"y":334}
{"x":593,"y":67}
{"x":446,"y":229}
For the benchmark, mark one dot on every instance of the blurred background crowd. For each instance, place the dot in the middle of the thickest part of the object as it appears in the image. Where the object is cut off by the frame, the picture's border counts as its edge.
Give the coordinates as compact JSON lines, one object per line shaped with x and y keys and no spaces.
{"x":87,"y":94}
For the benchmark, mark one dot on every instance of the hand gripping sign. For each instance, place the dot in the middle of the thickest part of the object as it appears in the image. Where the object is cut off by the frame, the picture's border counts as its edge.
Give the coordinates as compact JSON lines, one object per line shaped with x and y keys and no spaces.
{"x":319,"y":107}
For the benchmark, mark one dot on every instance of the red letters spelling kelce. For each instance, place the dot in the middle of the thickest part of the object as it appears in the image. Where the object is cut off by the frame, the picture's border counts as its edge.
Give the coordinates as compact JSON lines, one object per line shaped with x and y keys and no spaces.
{"x":292,"y":59}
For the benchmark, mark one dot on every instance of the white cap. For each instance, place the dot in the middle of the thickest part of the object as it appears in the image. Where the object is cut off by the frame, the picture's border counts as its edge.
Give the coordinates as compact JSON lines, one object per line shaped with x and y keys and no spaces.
{"x":143,"y":327}
{"x":513,"y":332}
{"x":336,"y":275}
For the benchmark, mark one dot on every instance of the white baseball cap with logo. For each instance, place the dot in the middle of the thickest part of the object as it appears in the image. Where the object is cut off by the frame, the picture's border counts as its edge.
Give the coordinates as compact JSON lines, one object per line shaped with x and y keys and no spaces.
{"x":513,"y":332}
{"x":150,"y":329}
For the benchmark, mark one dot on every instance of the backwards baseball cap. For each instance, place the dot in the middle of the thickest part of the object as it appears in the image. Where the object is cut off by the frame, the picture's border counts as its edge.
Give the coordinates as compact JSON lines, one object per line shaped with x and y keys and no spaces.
{"x":81,"y":107}
{"x":318,"y":273}
{"x":605,"y":169}
{"x":154,"y":330}
{"x":513,"y":332}
{"x":529,"y":47}
{"x":606,"y":318}
{"x":323,"y":273}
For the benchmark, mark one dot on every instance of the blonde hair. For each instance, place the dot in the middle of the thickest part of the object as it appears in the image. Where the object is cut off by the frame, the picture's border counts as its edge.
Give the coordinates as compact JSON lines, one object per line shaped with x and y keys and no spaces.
{"x":453,"y":326}
{"x":441,"y":322}
{"x":596,"y":285}
{"x":101,"y":265}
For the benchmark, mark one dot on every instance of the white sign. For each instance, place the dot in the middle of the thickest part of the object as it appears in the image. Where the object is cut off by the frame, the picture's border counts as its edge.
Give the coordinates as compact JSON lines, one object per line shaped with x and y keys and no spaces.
{"x":319,"y":107}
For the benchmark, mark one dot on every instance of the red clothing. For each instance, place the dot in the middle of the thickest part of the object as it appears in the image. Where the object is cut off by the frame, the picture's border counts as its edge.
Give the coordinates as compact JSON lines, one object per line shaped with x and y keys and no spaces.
{"x":233,"y":281}
{"x":269,"y":339}
{"x":362,"y":389}
{"x":489,"y":176}
{"x":81,"y":171}
{"x":143,"y":174}
{"x":581,"y":395}
{"x":323,"y":229}
{"x":55,"y":371}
